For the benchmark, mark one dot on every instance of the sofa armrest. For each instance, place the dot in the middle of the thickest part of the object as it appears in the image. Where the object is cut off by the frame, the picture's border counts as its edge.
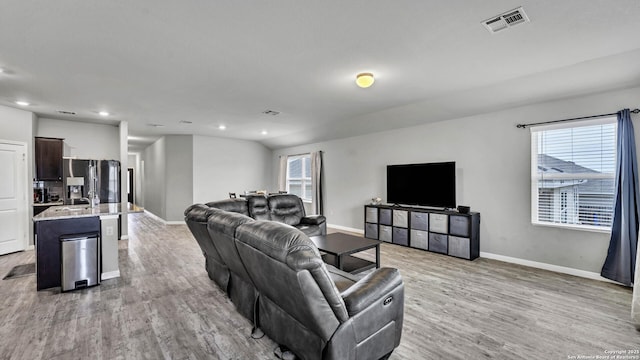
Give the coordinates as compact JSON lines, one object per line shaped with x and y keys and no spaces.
{"x":313,"y":220}
{"x":370,"y":289}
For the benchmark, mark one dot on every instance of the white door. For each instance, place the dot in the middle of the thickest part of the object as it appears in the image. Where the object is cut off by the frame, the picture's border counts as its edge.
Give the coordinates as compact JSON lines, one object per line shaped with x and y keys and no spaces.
{"x":14,"y":218}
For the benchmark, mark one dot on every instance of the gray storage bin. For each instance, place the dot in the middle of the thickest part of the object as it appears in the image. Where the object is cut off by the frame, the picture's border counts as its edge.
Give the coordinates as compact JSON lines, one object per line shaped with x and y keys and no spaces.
{"x":459,"y":247}
{"x":371,"y":231}
{"x":438,"y":243}
{"x":400,"y":236}
{"x":419,"y":220}
{"x":419,"y":239}
{"x":459,"y":225}
{"x":371,"y":215}
{"x":385,"y":233}
{"x":385,"y":217}
{"x":401,"y":218}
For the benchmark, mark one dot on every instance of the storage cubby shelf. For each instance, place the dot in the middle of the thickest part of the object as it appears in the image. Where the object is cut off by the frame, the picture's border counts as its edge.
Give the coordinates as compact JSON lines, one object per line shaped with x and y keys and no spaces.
{"x":445,"y":232}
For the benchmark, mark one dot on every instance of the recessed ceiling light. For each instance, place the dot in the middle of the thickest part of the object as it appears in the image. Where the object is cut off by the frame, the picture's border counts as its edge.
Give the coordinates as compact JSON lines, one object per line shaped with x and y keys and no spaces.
{"x":1,"y":70}
{"x":222,"y":127}
{"x":22,"y":103}
{"x":264,"y":132}
{"x":103,"y":113}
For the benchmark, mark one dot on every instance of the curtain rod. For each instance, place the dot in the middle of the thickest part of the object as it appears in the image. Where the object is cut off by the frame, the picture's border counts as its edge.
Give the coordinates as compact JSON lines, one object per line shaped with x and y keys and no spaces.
{"x":522,"y":126}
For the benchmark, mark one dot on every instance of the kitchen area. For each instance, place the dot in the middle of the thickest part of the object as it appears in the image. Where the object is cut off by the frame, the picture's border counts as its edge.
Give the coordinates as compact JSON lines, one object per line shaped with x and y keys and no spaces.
{"x":77,"y":217}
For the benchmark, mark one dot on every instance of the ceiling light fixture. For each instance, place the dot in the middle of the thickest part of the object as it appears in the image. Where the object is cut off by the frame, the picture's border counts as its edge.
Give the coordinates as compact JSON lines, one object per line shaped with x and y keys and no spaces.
{"x":222,"y":127}
{"x":103,"y":113}
{"x":22,"y":103}
{"x":264,"y":132}
{"x":1,"y":70}
{"x":364,"y":80}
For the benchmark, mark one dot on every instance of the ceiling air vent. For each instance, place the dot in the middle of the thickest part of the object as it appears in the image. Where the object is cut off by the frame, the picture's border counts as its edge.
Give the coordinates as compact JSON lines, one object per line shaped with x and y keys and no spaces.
{"x":65,"y":112}
{"x":271,"y":112}
{"x":506,"y":20}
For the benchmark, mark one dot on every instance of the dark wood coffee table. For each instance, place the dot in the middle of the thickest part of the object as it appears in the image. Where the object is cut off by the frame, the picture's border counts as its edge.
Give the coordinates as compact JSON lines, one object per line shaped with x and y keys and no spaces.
{"x":338,"y":248}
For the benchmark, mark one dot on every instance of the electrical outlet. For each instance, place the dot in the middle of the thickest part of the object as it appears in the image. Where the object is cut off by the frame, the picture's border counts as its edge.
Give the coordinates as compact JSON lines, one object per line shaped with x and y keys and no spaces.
{"x":109,"y":230}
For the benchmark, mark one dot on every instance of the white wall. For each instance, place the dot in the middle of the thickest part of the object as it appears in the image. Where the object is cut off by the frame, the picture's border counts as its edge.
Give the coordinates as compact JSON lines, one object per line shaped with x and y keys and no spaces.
{"x":222,"y":165}
{"x":493,"y":175}
{"x":83,"y":140}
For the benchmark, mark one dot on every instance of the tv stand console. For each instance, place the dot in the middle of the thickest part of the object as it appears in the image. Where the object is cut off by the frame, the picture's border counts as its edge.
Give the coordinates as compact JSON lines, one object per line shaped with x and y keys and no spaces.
{"x":441,"y":231}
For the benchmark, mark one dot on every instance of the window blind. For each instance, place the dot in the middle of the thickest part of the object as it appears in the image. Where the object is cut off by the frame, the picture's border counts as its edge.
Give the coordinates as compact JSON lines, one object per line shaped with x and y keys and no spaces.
{"x":573,"y":173}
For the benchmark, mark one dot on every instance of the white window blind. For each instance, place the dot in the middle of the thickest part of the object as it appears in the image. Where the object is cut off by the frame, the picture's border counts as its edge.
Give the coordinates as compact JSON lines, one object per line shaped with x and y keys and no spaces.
{"x":299,"y":176}
{"x":573,"y":174}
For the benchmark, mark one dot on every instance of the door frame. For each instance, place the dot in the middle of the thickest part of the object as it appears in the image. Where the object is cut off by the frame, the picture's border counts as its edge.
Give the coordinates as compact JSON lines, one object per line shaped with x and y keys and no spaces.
{"x":26,"y":204}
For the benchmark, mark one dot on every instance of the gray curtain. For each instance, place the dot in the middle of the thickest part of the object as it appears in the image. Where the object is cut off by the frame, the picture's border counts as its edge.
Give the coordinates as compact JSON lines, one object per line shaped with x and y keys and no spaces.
{"x":282,"y":173}
{"x":623,"y":245}
{"x":316,"y":182}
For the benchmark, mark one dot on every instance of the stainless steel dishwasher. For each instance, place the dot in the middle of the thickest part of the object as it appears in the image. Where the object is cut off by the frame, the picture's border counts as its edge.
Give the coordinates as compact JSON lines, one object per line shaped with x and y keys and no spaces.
{"x":80,"y":261}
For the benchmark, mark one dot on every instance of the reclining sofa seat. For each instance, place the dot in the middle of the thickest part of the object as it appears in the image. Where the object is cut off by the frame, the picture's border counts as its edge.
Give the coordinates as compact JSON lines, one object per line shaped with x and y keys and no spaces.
{"x":289,"y":209}
{"x":196,"y":217}
{"x":221,"y":226}
{"x":300,"y":306}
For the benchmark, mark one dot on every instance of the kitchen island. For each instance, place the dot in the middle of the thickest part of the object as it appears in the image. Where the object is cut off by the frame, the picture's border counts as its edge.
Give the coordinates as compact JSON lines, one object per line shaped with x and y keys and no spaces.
{"x":63,"y":221}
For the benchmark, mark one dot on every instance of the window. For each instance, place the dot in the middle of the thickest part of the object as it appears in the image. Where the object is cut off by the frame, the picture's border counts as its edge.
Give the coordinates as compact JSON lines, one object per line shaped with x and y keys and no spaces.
{"x":573,"y":174}
{"x":299,"y":176}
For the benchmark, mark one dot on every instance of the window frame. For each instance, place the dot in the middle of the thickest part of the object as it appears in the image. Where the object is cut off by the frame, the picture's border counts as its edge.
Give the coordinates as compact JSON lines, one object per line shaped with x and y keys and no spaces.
{"x":304,"y":181}
{"x":535,"y":178}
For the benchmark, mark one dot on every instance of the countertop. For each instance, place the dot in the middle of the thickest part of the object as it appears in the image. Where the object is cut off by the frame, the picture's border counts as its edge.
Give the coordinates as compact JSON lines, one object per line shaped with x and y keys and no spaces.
{"x":52,"y":203}
{"x":76,"y":211}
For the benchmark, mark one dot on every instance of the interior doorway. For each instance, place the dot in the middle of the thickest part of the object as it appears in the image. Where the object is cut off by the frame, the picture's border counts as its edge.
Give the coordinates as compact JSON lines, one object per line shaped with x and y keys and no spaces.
{"x":130,"y":186}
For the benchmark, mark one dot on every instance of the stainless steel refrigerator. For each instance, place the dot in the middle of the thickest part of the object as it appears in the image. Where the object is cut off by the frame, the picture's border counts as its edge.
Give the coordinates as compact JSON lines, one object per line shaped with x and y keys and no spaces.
{"x":80,"y":174}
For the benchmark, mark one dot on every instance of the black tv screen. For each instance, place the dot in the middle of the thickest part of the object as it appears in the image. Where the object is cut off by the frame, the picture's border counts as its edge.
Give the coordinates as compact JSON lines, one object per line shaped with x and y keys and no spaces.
{"x":431,"y":184}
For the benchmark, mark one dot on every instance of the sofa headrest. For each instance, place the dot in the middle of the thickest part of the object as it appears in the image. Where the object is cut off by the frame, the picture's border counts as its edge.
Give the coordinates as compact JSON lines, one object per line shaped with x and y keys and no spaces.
{"x":258,"y":207}
{"x":226,"y":222}
{"x":233,"y":205}
{"x":197,"y":213}
{"x":281,"y":242}
{"x":286,"y":208}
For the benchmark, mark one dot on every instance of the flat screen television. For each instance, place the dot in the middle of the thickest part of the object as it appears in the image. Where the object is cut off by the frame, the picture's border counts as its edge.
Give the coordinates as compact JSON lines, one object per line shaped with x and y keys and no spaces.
{"x":430,"y":184}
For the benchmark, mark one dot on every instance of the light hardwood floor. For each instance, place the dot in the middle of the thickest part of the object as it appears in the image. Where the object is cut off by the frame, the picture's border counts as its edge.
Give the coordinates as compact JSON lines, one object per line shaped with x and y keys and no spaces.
{"x":165,"y":307}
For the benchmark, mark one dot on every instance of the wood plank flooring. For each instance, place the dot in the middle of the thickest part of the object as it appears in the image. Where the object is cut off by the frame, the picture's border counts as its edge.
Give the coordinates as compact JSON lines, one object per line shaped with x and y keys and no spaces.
{"x":165,"y":307}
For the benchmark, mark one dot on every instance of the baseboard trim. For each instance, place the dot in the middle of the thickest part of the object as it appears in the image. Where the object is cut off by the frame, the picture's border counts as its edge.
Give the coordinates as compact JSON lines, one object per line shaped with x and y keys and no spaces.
{"x":110,"y":275}
{"x":156,"y":217}
{"x":545,"y":266}
{"x":124,"y":237}
{"x":165,"y":222}
{"x":346,"y":228}
{"x":175,"y":222}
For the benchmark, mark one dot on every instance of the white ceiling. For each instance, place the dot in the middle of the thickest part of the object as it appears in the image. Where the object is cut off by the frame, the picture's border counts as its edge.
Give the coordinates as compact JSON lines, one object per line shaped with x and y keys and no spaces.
{"x":225,"y":62}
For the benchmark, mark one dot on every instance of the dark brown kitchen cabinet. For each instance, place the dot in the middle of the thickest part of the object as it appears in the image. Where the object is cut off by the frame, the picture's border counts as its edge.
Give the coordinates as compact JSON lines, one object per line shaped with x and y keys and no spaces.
{"x":48,"y":159}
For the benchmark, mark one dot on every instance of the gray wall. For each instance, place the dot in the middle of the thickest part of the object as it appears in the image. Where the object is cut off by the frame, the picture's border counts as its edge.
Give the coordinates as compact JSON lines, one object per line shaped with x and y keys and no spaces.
{"x":222,"y":165}
{"x":18,"y":125}
{"x":180,"y":170}
{"x":83,"y":140}
{"x":493,"y":175}
{"x":155,"y":179}
{"x":179,"y":181}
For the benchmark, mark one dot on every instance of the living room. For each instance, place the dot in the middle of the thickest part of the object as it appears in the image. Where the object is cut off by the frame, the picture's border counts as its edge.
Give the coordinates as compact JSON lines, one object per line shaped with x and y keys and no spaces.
{"x":473,"y":125}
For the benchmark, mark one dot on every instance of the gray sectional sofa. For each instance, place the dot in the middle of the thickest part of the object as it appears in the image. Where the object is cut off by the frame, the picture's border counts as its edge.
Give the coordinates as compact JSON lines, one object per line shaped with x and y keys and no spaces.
{"x":284,"y":208}
{"x":275,"y":276}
